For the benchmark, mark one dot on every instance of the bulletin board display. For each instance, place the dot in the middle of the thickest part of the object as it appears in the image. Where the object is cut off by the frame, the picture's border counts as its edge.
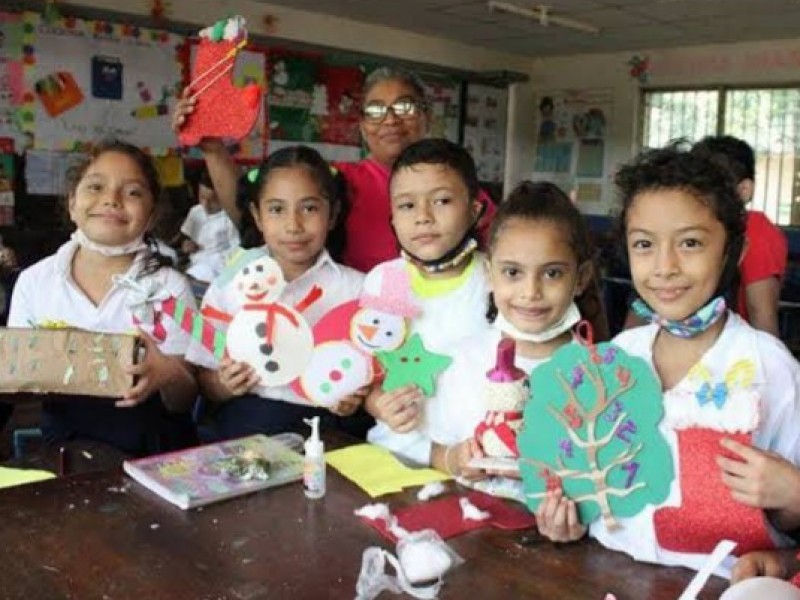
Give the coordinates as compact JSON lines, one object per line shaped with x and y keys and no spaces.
{"x":314,"y":102}
{"x":85,"y":80}
{"x":11,"y":78}
{"x":485,"y":130}
{"x":250,"y":67}
{"x":572,"y":133}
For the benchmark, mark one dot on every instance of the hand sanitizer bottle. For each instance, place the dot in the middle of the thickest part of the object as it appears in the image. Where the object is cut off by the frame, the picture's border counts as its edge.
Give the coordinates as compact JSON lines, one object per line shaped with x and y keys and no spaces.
{"x":314,"y":464}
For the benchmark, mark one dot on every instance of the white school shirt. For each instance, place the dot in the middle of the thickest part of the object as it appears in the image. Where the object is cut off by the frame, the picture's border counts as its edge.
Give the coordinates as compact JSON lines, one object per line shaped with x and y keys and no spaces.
{"x":776,"y":381}
{"x":216,"y":235}
{"x":339,"y":284}
{"x":447,"y":320}
{"x":46,"y":293}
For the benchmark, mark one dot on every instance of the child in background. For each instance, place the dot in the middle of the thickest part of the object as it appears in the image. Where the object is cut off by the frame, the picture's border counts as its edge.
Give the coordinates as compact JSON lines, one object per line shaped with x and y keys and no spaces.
{"x":542,"y":281}
{"x":210,"y":234}
{"x":113,"y":201}
{"x":293,"y":206}
{"x":684,"y":229}
{"x":435,"y":210}
{"x":764,"y":262}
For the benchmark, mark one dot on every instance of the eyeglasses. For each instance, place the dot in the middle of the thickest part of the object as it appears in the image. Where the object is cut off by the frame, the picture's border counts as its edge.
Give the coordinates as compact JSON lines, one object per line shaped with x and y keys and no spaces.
{"x":402,"y":108}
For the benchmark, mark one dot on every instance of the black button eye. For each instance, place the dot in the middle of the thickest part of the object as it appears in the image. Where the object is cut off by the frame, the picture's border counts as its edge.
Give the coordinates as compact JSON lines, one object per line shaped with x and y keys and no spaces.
{"x":260,"y":268}
{"x":246,"y":271}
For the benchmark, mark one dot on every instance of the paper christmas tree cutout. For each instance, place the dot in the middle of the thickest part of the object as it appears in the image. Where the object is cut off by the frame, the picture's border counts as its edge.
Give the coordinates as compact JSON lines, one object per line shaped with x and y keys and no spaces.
{"x":591,"y":428}
{"x":412,"y":363}
{"x":223,"y":110}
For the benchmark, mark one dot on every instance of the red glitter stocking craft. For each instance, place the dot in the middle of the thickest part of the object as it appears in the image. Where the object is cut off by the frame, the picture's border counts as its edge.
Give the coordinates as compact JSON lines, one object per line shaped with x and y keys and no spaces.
{"x":708,"y":513}
{"x":223,"y":110}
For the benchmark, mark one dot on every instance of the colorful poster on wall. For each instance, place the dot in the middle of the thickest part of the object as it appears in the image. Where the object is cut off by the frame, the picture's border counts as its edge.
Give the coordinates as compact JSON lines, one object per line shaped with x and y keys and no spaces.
{"x":485,"y":130}
{"x":572,"y":131}
{"x":296,"y":99}
{"x":86,"y":80}
{"x":6,"y":181}
{"x":444,"y":96}
{"x":344,"y":90}
{"x":11,"y":78}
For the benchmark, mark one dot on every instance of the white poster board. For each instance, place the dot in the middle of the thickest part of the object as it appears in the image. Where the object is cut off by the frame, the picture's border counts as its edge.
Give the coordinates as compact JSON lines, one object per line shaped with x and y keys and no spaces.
{"x":572,"y":143}
{"x":91,"y":79}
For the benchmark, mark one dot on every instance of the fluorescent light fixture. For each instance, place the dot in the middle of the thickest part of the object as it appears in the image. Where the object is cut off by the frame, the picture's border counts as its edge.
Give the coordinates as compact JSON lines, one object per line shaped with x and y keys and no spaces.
{"x":542,"y":14}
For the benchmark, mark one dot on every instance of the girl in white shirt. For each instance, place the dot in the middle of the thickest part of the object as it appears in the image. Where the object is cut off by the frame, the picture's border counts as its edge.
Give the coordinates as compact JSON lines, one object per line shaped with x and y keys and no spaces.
{"x":113,"y":201}
{"x":684,"y":229}
{"x":292,"y":206}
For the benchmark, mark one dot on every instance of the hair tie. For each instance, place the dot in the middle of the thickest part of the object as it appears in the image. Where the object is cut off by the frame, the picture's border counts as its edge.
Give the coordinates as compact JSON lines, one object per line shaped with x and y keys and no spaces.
{"x":252,"y":174}
{"x":334,"y":170}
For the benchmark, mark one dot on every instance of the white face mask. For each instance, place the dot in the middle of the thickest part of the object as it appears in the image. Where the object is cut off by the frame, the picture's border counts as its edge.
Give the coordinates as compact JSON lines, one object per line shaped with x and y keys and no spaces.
{"x":571,"y":317}
{"x":130,"y":248}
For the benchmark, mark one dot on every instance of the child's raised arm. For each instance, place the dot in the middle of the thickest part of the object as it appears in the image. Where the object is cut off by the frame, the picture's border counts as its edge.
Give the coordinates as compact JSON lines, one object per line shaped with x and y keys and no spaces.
{"x":222,"y":169}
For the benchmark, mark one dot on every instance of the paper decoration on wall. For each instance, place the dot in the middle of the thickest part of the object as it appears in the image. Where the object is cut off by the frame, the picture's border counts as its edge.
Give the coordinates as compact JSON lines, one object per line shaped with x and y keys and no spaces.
{"x":152,"y":109}
{"x":6,"y":181}
{"x":347,"y":337}
{"x":639,"y":68}
{"x":222,"y":110}
{"x":58,"y":92}
{"x":505,"y":392}
{"x":703,"y":410}
{"x":107,"y":77}
{"x":591,"y":428}
{"x":412,"y":363}
{"x":66,"y":361}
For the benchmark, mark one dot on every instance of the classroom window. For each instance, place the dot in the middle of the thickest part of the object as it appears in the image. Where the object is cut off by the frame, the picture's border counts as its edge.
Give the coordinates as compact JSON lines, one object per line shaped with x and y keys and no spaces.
{"x":767,"y":118}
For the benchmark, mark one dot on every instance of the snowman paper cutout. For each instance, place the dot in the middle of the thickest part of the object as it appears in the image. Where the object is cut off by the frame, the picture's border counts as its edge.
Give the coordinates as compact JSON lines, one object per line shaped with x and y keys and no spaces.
{"x":348,"y":336}
{"x":269,"y":336}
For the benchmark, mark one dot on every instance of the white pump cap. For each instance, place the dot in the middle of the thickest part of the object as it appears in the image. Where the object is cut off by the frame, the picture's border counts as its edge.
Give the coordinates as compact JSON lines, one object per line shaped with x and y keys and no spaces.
{"x":313,"y":445}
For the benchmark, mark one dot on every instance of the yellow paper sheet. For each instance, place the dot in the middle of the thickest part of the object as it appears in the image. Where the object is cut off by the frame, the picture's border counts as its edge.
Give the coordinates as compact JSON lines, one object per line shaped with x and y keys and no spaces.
{"x":376,"y":471}
{"x":12,"y":477}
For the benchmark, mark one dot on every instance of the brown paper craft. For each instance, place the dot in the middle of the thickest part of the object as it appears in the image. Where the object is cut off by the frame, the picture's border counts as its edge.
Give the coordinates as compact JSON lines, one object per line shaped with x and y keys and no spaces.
{"x":66,"y":361}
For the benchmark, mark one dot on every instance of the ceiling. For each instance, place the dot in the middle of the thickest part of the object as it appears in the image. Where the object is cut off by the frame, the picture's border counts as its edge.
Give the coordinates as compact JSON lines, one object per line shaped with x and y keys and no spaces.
{"x":625,"y":24}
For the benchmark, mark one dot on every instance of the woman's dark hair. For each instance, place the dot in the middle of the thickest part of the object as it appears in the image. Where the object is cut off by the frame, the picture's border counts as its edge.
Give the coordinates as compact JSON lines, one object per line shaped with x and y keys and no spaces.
{"x":205,"y":179}
{"x":439,"y":151}
{"x":154,"y":260}
{"x":332,"y":187}
{"x":544,"y":201}
{"x":696,"y":172}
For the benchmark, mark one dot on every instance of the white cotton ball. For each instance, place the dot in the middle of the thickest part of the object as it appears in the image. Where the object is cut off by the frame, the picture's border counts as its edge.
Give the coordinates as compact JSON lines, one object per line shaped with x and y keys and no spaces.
{"x":424,"y":561}
{"x":762,"y":588}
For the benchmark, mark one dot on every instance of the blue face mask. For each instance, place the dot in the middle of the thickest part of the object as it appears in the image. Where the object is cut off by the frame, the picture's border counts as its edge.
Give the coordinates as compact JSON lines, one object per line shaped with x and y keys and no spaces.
{"x":689,"y":327}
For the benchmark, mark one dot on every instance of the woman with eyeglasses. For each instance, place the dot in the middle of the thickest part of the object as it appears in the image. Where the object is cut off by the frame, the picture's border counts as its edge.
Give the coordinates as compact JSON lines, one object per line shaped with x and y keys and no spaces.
{"x":395,"y":114}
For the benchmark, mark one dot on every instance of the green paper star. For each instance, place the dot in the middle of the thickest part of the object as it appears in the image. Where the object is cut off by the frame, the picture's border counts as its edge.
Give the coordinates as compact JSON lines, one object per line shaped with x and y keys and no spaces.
{"x":412,"y":363}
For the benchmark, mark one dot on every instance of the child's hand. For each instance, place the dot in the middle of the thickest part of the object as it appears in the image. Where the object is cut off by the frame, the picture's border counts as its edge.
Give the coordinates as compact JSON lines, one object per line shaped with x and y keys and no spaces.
{"x":461,"y":454}
{"x":762,"y":479}
{"x":190,"y":246}
{"x":400,"y":409}
{"x":154,"y":372}
{"x":183,"y":108}
{"x":772,"y":563}
{"x":237,"y":377}
{"x":557,"y":518}
{"x":349,"y":404}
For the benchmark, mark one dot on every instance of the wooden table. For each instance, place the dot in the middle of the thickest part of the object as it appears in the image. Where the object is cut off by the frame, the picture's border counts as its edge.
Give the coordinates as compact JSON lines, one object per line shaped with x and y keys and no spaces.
{"x":100,"y":535}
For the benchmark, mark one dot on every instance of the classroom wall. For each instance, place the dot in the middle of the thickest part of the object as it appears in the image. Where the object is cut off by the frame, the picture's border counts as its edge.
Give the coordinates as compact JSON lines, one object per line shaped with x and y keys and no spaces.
{"x":751,"y":63}
{"x":333,"y":32}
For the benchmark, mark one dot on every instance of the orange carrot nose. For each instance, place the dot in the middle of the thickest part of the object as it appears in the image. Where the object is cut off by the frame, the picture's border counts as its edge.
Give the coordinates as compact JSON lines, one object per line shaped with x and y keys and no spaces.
{"x":368,"y":331}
